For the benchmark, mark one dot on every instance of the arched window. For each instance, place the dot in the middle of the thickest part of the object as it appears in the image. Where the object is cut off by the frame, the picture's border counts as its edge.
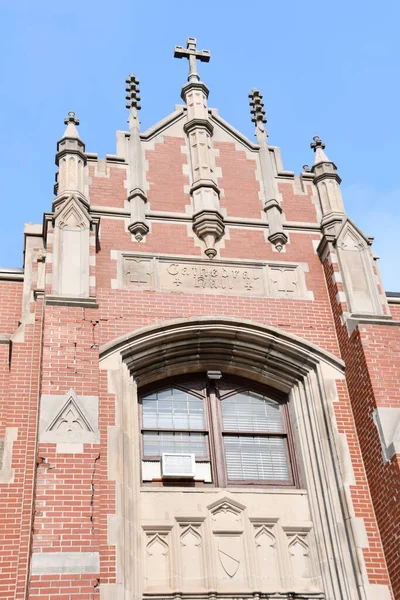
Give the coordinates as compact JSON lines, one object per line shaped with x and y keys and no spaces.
{"x":234,"y":432}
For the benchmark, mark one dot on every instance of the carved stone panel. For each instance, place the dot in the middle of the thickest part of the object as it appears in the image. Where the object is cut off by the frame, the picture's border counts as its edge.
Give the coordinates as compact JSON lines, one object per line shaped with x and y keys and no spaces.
{"x":356,"y":267}
{"x":231,"y":559}
{"x":69,"y":419}
{"x":138,"y":273}
{"x":267,"y":556}
{"x":284,"y":281}
{"x":192,"y":561}
{"x":180,"y":275}
{"x":157,"y":561}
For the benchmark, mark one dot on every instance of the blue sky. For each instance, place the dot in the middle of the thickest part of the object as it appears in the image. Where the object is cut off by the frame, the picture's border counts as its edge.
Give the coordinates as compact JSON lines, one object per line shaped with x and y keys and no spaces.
{"x":330,"y":69}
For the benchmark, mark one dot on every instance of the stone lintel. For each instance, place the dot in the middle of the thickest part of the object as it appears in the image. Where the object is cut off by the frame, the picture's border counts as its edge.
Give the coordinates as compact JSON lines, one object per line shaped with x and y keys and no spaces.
{"x":70,"y":301}
{"x":43,"y":563}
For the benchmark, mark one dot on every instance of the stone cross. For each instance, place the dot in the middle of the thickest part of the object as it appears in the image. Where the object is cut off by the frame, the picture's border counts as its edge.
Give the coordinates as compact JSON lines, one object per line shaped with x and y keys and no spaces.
{"x":317,"y":143}
{"x":71,"y":119}
{"x":192,"y":54}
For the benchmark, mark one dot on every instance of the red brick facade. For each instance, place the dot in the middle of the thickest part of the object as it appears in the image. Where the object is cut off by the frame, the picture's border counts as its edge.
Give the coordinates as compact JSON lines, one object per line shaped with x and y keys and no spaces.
{"x":55,"y":502}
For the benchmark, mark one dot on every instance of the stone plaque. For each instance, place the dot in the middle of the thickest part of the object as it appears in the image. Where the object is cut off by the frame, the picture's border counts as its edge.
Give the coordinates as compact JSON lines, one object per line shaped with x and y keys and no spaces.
{"x":217,"y":278}
{"x":186,"y":275}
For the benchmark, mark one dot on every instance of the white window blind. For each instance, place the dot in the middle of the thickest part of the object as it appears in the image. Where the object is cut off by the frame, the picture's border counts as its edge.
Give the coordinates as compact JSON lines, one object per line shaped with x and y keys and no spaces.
{"x":258,"y":458}
{"x":254,"y":457}
{"x":159,"y":442}
{"x":172,"y":409}
{"x":247,"y":411}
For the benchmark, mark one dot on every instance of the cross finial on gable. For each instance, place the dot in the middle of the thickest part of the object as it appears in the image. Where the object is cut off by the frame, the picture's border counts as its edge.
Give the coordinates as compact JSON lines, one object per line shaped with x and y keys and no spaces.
{"x":71,"y":119}
{"x":317,"y":143}
{"x":192,"y":54}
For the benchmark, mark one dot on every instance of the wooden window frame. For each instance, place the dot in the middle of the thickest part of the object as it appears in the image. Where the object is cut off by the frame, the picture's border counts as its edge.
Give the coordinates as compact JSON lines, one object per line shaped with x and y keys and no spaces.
{"x":143,"y":430}
{"x":212,"y":399}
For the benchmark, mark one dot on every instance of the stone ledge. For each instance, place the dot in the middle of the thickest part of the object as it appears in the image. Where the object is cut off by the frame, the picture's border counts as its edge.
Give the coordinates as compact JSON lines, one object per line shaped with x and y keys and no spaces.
{"x":353,"y":321}
{"x":9,"y":274}
{"x":5,"y":338}
{"x":67,"y":301}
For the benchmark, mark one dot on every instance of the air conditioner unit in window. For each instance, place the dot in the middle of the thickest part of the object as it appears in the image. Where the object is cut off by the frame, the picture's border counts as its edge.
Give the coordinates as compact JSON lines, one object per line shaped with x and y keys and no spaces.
{"x":178,"y":466}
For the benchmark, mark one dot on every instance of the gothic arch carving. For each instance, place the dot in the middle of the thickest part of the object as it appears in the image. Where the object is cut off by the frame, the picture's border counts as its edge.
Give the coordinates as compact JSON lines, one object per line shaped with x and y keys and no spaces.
{"x":240,"y":347}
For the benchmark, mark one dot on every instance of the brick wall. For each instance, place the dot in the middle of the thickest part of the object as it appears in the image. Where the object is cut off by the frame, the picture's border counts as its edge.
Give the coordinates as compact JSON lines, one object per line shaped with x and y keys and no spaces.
{"x":69,"y":494}
{"x":372,"y":357}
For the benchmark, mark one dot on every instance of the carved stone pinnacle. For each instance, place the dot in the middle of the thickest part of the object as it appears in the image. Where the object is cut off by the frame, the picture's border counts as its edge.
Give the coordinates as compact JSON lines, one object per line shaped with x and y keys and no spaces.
{"x":257,"y":107}
{"x":132,"y":92}
{"x":317,"y":143}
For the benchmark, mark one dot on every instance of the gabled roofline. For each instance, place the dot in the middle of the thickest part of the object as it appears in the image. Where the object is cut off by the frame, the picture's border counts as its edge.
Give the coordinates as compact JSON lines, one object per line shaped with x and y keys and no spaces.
{"x":159,"y":127}
{"x":240,"y":137}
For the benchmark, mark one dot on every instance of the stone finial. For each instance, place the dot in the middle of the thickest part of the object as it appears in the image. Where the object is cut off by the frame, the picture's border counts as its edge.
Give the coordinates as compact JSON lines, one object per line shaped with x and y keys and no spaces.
{"x":317,"y":143}
{"x":71,"y":118}
{"x":318,"y":146}
{"x":71,"y":122}
{"x":192,"y":54}
{"x":132,"y":92}
{"x":70,"y":159}
{"x":257,"y":107}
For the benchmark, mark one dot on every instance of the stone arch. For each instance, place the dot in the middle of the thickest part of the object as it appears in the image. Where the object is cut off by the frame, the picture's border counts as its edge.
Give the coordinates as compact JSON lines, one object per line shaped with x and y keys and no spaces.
{"x":269,"y":356}
{"x":258,"y":352}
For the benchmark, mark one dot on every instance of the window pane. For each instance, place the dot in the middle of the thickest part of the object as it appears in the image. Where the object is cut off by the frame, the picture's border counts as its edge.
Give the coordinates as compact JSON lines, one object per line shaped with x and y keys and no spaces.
{"x":154,"y":444}
{"x":262,"y":458}
{"x":247,"y":411}
{"x":172,"y":409}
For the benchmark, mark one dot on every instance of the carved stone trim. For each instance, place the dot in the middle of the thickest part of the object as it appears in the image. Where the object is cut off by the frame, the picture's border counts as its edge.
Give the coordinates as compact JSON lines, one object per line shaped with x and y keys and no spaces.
{"x":277,"y":279}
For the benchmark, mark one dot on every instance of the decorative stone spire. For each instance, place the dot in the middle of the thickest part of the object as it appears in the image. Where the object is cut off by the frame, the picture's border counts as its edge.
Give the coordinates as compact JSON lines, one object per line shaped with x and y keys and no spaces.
{"x":71,"y":160}
{"x":71,"y":122}
{"x":272,"y":207}
{"x":328,"y":182}
{"x":136,"y":188}
{"x":73,"y":231}
{"x":208,"y":222}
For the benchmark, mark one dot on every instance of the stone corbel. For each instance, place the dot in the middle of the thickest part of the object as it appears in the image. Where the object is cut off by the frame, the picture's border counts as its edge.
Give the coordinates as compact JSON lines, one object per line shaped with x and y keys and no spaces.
{"x":276,"y":236}
{"x":209,"y":226}
{"x":138,"y":227}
